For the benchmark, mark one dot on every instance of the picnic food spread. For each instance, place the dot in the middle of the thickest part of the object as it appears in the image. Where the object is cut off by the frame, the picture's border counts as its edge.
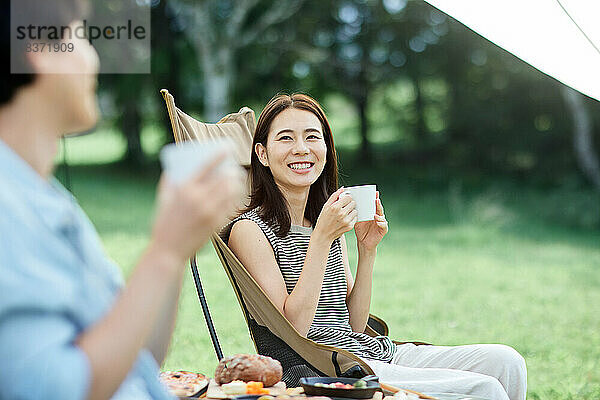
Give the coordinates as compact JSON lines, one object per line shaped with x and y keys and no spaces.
{"x":183,"y":383}
{"x":247,"y":368}
{"x":243,"y":375}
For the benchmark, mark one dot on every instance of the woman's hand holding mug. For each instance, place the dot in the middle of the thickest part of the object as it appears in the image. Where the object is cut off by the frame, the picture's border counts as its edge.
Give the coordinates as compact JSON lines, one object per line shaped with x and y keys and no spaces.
{"x":337,"y":217}
{"x":370,"y":233}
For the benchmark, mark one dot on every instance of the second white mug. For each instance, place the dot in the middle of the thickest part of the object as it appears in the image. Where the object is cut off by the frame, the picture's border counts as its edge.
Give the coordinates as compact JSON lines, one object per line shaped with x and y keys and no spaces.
{"x":181,"y":161}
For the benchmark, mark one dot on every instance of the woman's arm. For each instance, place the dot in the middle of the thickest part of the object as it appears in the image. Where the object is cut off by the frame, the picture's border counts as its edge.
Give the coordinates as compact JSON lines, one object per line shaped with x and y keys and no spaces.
{"x":251,"y":246}
{"x":358,"y":299}
{"x":368,"y":237}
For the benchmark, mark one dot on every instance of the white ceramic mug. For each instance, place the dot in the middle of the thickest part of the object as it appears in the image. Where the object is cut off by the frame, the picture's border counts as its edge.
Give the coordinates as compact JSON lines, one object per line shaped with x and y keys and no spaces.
{"x":364,"y":197}
{"x":181,"y":161}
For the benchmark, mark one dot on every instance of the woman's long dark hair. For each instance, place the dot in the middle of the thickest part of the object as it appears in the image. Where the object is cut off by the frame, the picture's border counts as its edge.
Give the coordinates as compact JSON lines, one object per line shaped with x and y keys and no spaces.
{"x":265,"y":194}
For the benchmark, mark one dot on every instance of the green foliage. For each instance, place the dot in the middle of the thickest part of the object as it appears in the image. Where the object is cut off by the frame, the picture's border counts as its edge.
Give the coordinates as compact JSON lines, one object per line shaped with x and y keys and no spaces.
{"x":439,"y":92}
{"x":405,"y":73}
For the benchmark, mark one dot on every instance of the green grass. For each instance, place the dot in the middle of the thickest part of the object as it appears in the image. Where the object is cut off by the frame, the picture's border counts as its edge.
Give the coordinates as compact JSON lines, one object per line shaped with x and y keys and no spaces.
{"x":461,"y":264}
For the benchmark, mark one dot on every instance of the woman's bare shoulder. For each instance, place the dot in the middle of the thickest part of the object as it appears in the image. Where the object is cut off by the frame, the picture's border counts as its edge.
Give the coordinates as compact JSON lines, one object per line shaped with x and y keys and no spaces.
{"x":247,"y":235}
{"x":244,"y":228}
{"x":250,"y":245}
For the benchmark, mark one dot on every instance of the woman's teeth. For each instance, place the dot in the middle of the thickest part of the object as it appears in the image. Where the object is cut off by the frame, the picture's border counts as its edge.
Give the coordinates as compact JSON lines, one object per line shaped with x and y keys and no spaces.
{"x":300,"y":166}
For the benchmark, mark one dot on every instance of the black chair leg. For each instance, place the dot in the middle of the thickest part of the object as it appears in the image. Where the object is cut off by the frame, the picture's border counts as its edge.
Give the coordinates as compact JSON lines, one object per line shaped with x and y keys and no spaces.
{"x":205,"y":310}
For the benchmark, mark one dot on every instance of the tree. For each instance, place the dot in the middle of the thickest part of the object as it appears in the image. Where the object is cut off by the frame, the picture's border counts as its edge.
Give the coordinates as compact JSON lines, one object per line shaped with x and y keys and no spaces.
{"x":357,"y":47}
{"x":347,"y":52}
{"x":218,"y":29}
{"x":127,"y":90}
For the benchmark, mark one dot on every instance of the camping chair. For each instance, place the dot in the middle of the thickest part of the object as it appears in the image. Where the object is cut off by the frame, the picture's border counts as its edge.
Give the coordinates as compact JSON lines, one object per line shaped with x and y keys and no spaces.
{"x":273,"y":335}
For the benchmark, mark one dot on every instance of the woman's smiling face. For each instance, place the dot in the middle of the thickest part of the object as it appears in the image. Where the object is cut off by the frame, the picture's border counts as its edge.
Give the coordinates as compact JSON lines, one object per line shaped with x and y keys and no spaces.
{"x":296,"y":151}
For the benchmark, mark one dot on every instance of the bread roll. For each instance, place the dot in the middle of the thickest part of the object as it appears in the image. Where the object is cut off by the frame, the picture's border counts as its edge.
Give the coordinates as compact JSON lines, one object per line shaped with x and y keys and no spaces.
{"x":249,"y":367}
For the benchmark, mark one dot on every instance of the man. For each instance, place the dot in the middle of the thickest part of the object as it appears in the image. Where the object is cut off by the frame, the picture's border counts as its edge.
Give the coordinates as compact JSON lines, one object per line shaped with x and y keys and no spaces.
{"x":69,"y":328}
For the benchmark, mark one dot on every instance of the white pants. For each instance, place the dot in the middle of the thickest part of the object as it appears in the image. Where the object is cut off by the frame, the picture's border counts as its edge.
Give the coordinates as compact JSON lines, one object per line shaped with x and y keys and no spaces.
{"x":493,"y":371}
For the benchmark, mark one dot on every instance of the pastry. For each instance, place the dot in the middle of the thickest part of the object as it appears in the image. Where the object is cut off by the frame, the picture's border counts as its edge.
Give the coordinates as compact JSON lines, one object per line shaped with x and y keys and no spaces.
{"x":249,"y":367}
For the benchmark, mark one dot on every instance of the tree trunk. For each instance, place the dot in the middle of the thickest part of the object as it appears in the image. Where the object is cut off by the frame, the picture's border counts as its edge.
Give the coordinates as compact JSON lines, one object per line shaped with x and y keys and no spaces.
{"x":420,"y":133}
{"x":216,"y":43}
{"x":217,"y":95}
{"x":131,"y":124}
{"x":218,"y":78}
{"x":169,"y":42}
{"x":582,"y":137}
{"x":365,"y":146}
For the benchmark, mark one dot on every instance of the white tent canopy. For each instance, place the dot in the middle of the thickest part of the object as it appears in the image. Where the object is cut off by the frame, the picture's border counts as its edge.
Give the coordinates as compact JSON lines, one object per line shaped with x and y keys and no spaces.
{"x":558,"y":37}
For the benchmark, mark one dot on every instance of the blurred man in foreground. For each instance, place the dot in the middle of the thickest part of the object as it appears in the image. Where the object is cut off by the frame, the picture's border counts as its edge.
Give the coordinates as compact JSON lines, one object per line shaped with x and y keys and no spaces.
{"x":69,"y":327}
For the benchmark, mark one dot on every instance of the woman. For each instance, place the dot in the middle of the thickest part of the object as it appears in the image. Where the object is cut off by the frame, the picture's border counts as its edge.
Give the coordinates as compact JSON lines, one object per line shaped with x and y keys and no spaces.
{"x":291,"y":241}
{"x":69,"y":327}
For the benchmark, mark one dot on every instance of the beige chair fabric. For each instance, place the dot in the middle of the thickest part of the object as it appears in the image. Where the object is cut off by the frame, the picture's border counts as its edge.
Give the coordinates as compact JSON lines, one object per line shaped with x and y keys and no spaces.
{"x":265,"y":313}
{"x":240,"y":127}
{"x":237,"y":126}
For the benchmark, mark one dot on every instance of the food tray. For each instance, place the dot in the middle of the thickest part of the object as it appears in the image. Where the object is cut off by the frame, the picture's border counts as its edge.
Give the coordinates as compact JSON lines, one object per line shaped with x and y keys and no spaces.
{"x":357,"y":393}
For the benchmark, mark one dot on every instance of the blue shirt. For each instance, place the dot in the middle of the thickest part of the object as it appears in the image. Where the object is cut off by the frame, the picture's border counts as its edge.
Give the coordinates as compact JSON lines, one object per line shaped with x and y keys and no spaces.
{"x":55,"y":281}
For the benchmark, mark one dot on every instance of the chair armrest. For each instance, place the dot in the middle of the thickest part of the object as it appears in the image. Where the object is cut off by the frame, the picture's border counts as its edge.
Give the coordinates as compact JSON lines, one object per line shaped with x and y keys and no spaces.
{"x":376,"y":326}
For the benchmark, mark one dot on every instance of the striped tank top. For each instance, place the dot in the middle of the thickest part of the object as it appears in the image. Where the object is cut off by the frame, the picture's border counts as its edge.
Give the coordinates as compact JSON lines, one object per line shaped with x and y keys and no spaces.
{"x":331,"y":324}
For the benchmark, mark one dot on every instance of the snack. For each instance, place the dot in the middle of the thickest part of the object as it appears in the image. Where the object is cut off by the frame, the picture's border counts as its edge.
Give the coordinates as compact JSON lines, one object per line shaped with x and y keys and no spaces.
{"x":248,"y":367}
{"x":256,"y":388}
{"x":234,"y":388}
{"x":183,"y":383}
{"x":294,"y":391}
{"x":360,"y":384}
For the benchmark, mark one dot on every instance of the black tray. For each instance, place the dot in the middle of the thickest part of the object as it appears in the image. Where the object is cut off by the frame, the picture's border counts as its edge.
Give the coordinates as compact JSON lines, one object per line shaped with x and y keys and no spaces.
{"x":357,"y":393}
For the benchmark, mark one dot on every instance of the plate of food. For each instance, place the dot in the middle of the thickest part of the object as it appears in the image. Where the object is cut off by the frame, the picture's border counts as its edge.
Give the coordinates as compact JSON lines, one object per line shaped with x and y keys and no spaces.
{"x":339,"y":387}
{"x":184,"y":384}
